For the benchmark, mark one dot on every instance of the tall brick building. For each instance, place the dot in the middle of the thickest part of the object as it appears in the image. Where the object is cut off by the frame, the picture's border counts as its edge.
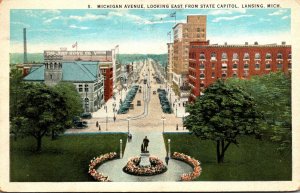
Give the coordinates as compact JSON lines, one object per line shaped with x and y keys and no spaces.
{"x":208,"y":62}
{"x":184,"y":33}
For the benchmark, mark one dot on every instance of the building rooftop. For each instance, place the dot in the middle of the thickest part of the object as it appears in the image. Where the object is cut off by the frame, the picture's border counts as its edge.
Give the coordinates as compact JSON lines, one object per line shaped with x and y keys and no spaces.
{"x":78,"y":71}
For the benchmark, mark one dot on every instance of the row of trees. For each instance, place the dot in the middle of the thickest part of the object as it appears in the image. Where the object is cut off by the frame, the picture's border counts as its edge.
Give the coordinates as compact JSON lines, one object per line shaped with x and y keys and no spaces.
{"x":260,"y":106}
{"x":36,"y":109}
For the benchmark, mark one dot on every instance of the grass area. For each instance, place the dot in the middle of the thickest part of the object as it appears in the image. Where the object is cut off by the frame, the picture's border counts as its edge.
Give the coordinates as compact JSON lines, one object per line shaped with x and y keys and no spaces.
{"x":253,"y":160}
{"x":63,"y":160}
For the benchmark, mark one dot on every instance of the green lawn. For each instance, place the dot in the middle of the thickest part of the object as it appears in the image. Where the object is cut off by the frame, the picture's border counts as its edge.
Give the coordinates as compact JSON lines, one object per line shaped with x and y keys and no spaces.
{"x":253,"y":160}
{"x":63,"y":160}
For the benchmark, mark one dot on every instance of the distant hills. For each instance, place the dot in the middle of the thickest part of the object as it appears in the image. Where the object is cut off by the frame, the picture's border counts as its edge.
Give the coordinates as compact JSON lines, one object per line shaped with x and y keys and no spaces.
{"x":17,"y":58}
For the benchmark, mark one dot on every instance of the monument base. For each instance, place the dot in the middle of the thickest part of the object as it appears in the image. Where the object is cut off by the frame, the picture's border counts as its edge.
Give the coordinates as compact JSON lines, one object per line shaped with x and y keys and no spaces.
{"x":145,"y":159}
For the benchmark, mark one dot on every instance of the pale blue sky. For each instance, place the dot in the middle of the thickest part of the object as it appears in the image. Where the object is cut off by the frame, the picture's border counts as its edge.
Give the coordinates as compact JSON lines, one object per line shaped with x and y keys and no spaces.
{"x":141,"y":31}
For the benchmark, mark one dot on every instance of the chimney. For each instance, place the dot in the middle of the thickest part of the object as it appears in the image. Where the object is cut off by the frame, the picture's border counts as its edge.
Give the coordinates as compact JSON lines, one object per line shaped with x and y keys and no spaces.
{"x":283,"y":43}
{"x":225,"y":43}
{"x":25,"y":45}
{"x":246,"y":43}
{"x":255,"y":43}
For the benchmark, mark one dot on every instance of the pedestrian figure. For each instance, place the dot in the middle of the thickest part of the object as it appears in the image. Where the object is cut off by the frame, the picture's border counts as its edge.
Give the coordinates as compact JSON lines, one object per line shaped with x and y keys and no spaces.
{"x":179,"y":104}
{"x":99,"y":127}
{"x":97,"y":123}
{"x":167,"y":159}
{"x":145,"y":144}
{"x":114,"y":118}
{"x":183,"y":104}
{"x":177,"y":127}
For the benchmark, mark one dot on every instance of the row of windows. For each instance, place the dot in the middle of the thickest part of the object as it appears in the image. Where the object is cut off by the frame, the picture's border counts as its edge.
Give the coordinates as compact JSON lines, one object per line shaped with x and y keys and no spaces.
{"x":236,"y":56}
{"x":86,"y":88}
{"x":246,"y":65}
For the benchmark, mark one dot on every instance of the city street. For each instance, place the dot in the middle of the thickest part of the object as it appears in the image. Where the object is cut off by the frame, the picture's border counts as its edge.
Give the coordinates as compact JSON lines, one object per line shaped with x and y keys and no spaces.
{"x":145,"y":118}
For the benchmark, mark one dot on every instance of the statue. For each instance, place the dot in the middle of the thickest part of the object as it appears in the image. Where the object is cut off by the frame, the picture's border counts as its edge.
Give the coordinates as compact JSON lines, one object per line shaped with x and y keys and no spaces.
{"x":145,"y":145}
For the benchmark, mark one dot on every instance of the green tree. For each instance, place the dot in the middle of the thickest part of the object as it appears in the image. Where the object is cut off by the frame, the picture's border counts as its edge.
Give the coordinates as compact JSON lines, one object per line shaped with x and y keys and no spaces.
{"x":272,"y":94}
{"x":40,"y":109}
{"x":222,"y":114}
{"x":73,"y":101}
{"x":15,"y":94}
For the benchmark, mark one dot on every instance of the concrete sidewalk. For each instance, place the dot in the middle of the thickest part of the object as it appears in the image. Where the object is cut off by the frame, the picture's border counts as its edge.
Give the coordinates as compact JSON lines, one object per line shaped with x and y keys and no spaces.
{"x":156,"y":148}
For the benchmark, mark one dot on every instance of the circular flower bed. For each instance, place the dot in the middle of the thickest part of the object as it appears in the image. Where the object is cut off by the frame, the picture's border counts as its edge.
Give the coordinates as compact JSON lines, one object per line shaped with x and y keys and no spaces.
{"x":156,"y":167}
{"x":95,"y":162}
{"x":192,"y":162}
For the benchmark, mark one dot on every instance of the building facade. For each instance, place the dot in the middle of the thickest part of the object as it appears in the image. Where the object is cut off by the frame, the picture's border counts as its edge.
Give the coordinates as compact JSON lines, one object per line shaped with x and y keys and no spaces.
{"x":170,"y":62}
{"x":85,"y":75}
{"x":208,"y":62}
{"x":184,"y":33}
{"x":107,"y":59}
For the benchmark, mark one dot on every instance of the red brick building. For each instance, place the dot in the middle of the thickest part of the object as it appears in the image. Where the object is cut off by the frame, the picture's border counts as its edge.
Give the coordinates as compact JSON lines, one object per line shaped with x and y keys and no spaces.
{"x":107,"y":72}
{"x":208,"y":62}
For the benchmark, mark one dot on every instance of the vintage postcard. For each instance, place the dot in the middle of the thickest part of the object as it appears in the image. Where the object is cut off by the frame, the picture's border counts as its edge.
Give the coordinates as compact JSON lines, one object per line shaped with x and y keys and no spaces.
{"x":149,"y":95}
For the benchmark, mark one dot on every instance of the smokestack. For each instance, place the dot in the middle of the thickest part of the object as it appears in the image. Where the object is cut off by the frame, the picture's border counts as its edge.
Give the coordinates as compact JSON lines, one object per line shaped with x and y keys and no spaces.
{"x":25,"y":45}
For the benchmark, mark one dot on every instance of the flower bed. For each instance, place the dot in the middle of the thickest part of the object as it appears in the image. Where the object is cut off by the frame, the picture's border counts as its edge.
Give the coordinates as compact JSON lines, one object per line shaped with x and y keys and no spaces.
{"x":97,"y":162}
{"x":156,"y":167}
{"x":192,"y":162}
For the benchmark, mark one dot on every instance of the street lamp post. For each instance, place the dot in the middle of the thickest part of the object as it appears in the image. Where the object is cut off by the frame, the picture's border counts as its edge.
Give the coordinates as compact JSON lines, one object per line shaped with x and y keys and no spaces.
{"x":163,"y":119}
{"x":169,"y":143}
{"x":128,"y":118}
{"x":121,"y":153}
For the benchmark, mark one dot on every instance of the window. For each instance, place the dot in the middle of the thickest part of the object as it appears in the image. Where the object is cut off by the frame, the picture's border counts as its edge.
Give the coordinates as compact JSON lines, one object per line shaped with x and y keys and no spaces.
{"x":268,"y":56}
{"x":246,"y":73}
{"x":213,"y":74}
{"x":290,"y":65}
{"x":224,"y":66}
{"x":202,"y":55}
{"x":279,"y":56}
{"x":202,"y":76}
{"x":201,"y":85}
{"x":213,"y":56}
{"x":257,"y":66}
{"x":257,"y":55}
{"x":279,"y":65}
{"x":198,"y":29}
{"x":202,"y":66}
{"x":246,"y":65}
{"x":86,"y":104}
{"x":224,"y":75}
{"x":198,"y":35}
{"x":246,"y":56}
{"x":268,"y":66}
{"x":51,"y":76}
{"x":224,"y":55}
{"x":235,"y":66}
{"x":80,"y":88}
{"x":213,"y":65}
{"x":86,"y":88}
{"x":234,"y":75}
{"x":235,"y":56}
{"x":290,"y":56}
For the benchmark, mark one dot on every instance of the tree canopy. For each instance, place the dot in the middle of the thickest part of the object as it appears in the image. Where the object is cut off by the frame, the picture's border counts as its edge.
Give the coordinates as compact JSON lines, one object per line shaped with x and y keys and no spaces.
{"x":272,"y":94}
{"x":43,"y":109}
{"x":222,"y":114}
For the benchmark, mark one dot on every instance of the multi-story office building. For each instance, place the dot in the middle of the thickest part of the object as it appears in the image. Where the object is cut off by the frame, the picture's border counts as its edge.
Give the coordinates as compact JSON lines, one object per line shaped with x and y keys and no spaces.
{"x":170,"y":62}
{"x":184,"y":33}
{"x":85,"y":75}
{"x":111,"y":70}
{"x":208,"y":62}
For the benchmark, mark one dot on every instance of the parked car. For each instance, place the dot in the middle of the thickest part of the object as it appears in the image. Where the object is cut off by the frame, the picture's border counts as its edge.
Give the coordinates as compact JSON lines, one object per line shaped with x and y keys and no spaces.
{"x":86,"y":115}
{"x":81,"y":124}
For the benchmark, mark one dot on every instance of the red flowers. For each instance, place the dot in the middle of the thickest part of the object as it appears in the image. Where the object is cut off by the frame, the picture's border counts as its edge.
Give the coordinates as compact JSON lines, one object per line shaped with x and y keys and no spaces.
{"x":97,"y":162}
{"x":191,"y":161}
{"x":156,"y":167}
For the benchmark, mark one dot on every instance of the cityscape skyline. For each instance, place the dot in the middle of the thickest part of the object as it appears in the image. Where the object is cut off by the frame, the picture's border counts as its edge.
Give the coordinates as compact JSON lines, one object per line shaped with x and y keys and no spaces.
{"x":141,"y":31}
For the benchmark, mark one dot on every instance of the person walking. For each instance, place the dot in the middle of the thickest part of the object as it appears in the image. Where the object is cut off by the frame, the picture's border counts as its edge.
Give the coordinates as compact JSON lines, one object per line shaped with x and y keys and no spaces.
{"x":97,"y":123}
{"x":99,"y":127}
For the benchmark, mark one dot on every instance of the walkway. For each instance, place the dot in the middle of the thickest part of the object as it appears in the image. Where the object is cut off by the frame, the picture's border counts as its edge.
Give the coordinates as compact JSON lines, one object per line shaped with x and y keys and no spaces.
{"x":156,"y":148}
